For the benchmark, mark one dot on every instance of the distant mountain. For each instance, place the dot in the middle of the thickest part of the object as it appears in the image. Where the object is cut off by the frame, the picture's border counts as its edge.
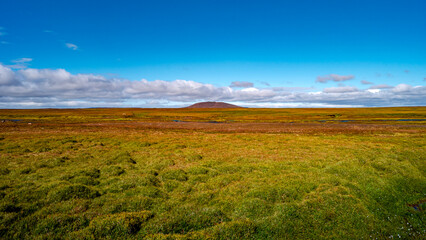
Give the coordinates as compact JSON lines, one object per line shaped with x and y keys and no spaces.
{"x":213,"y":105}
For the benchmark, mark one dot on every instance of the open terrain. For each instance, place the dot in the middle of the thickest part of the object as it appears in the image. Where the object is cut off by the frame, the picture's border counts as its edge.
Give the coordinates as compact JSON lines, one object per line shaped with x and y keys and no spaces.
{"x":213,"y":173}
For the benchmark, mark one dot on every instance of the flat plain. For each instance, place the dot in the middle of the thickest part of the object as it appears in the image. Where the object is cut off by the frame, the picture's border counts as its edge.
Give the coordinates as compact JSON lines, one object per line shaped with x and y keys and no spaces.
{"x":355,"y":173}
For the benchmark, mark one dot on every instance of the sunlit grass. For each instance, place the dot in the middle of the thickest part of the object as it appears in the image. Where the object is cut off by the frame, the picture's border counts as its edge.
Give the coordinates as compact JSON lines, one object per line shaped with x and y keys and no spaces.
{"x":74,"y":181}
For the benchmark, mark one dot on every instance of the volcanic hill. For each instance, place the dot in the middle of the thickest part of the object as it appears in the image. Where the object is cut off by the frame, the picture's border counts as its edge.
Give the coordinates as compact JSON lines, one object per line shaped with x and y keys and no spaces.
{"x":213,"y":105}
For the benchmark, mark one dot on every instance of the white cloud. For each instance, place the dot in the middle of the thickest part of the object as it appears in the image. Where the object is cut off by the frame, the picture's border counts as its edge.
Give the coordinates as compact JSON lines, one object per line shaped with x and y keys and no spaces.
{"x":366,"y":82}
{"x":37,"y":88}
{"x":7,"y":76}
{"x":334,"y":77}
{"x":71,"y":46}
{"x":241,"y":84}
{"x":373,"y":90}
{"x":402,"y":88}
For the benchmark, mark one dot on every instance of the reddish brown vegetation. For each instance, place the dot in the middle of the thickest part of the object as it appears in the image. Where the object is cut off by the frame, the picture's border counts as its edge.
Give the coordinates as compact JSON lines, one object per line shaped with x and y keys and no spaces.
{"x":301,"y":128}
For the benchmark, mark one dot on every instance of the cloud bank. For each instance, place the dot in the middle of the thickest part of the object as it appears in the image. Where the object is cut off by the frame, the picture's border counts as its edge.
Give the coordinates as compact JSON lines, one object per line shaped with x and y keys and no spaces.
{"x":37,"y":88}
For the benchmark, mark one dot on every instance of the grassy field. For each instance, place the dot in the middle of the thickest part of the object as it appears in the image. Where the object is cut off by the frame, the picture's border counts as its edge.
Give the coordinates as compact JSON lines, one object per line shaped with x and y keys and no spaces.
{"x":213,"y":174}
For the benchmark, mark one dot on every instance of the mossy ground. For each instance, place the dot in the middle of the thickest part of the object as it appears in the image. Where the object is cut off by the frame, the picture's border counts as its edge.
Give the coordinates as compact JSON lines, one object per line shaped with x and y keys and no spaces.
{"x":79,"y":182}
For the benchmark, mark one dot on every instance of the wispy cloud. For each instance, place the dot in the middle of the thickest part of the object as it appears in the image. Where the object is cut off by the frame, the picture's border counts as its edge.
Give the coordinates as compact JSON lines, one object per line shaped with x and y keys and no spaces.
{"x":20,"y":63}
{"x":381,"y":86}
{"x":241,"y":84}
{"x":407,"y":71}
{"x":31,"y":87}
{"x":265,"y":83}
{"x":71,"y":46}
{"x":22,"y":60}
{"x":335,"y":78}
{"x":366,"y":82}
{"x":4,"y":42}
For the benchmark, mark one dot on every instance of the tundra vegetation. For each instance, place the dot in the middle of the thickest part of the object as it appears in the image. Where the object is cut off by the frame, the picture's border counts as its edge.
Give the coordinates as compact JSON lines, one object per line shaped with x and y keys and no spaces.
{"x":213,"y":173}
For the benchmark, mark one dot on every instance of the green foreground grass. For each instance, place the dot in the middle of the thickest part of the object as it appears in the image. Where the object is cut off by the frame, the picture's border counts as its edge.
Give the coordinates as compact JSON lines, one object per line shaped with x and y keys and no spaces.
{"x":182,"y":184}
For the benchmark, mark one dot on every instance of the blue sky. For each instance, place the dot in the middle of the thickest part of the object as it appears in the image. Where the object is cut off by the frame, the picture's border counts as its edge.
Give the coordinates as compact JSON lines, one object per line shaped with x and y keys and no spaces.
{"x":254,"y":53}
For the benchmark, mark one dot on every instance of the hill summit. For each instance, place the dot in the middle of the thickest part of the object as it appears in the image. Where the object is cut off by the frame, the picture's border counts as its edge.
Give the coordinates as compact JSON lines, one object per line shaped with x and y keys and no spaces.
{"x":213,"y":105}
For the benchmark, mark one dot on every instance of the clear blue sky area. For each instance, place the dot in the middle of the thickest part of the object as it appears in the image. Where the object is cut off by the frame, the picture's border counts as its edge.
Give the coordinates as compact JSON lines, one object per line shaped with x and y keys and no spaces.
{"x":266,"y":43}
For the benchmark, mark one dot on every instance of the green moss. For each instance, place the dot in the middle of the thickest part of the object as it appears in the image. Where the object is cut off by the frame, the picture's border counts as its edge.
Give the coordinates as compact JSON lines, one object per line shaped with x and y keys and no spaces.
{"x":174,"y":174}
{"x":60,"y":225}
{"x":121,"y":225}
{"x":27,"y":170}
{"x":194,"y":157}
{"x":240,"y":229}
{"x":9,"y":208}
{"x":121,"y":157}
{"x":184,"y":219}
{"x":128,"y":204}
{"x":83,"y":180}
{"x":114,"y":171}
{"x":4,"y":171}
{"x":198,"y":170}
{"x":93,"y":173}
{"x":66,"y":192}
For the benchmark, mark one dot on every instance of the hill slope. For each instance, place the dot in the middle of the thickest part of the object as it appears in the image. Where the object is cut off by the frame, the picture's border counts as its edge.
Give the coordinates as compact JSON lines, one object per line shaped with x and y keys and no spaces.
{"x":213,"y":105}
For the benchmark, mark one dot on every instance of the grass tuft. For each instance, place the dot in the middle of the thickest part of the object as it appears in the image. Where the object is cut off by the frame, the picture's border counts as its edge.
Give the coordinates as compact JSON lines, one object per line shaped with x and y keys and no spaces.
{"x":66,"y":192}
{"x":119,"y":225}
